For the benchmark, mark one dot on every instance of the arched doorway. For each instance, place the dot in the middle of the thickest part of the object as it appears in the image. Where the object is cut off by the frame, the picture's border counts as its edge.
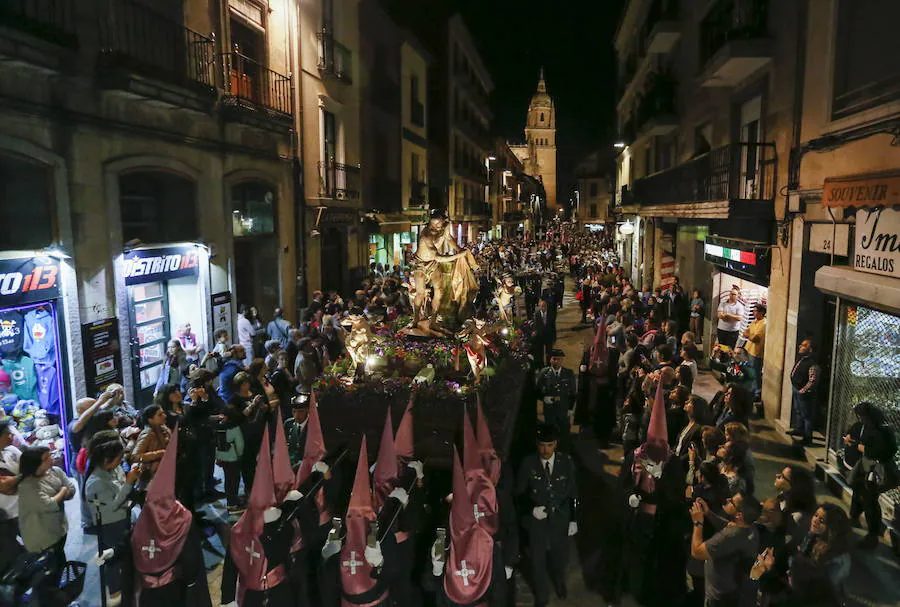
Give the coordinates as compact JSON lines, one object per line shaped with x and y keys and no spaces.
{"x":253,"y":213}
{"x":166,"y":285}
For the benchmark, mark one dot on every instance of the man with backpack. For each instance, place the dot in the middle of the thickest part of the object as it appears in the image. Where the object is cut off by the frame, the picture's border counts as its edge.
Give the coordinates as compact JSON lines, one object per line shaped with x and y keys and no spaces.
{"x":870,"y":447}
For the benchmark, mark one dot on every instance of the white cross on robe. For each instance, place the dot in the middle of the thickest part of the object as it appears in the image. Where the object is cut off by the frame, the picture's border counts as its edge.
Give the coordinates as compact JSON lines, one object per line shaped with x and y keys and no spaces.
{"x":253,"y":553}
{"x":478,"y":513}
{"x":464,"y":573}
{"x":151,"y":549}
{"x":353,"y":563}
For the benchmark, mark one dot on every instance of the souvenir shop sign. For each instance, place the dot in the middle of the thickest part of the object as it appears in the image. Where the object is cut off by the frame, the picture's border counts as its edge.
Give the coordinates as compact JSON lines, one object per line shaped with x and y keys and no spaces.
{"x":877,"y":242}
{"x":873,"y":190}
{"x":28,"y":280}
{"x":165,"y":263}
{"x":102,"y":360}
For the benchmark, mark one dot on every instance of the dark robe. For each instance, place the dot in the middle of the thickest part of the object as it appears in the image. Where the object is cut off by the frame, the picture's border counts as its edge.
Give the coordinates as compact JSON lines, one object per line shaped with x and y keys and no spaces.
{"x":496,"y":596}
{"x":188,"y":588}
{"x":276,"y":545}
{"x":651,"y":566}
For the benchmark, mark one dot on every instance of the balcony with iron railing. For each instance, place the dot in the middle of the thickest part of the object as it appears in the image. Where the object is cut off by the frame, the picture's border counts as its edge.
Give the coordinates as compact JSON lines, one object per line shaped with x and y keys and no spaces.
{"x":52,"y":21}
{"x":734,"y":41}
{"x":735,"y":172}
{"x":335,"y":59}
{"x":655,"y":113}
{"x":249,"y":85}
{"x":338,"y":181}
{"x":138,"y":41}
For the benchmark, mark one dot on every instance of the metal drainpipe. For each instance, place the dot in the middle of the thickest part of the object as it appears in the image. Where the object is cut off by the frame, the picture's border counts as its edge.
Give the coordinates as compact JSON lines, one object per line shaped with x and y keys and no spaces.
{"x":301,"y":276}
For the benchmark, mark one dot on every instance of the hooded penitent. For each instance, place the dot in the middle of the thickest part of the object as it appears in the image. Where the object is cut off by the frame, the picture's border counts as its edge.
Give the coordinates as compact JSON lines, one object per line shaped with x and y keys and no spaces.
{"x":482,"y":492}
{"x":403,"y":440}
{"x":162,"y":528}
{"x":283,"y":474}
{"x":467,"y":576}
{"x":246,"y":547}
{"x":651,"y":457}
{"x":598,"y":364}
{"x":489,"y":460}
{"x":386,"y":468}
{"x":313,"y":452}
{"x":356,"y":573}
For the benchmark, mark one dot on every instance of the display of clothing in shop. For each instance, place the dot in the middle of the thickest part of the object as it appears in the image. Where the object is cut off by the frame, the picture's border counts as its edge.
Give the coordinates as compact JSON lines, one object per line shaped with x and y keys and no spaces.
{"x":24,"y":378}
{"x":40,"y":335}
{"x":11,"y":333}
{"x":48,"y":386}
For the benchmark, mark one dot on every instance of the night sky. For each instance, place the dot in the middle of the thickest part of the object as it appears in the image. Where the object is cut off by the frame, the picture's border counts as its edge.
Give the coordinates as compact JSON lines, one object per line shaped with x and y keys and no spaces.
{"x":574,"y":43}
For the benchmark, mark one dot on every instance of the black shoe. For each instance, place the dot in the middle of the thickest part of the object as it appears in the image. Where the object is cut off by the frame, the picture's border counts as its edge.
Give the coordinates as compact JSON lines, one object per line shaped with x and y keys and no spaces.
{"x":561,"y":590}
{"x":855,"y":522}
{"x":794,"y":432}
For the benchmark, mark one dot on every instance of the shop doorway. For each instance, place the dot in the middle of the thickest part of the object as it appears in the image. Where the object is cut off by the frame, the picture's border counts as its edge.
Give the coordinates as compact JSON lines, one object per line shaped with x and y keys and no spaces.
{"x":334,"y":261}
{"x":256,"y":267}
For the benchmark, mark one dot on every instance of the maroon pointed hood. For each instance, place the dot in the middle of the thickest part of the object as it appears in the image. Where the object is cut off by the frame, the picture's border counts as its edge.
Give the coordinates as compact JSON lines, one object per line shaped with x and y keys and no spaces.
{"x":656,"y":446}
{"x":599,"y":348}
{"x":356,"y":573}
{"x":467,"y":576}
{"x":489,"y":460}
{"x":283,"y":474}
{"x":403,"y":441}
{"x":386,"y":468}
{"x":482,"y":492}
{"x":245,"y":546}
{"x":314,"y":450}
{"x":163,"y":525}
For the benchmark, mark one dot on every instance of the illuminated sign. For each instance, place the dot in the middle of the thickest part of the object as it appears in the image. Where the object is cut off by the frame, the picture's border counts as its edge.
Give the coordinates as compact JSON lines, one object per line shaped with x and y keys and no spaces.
{"x":166,"y":263}
{"x":28,"y":280}
{"x":745,"y":257}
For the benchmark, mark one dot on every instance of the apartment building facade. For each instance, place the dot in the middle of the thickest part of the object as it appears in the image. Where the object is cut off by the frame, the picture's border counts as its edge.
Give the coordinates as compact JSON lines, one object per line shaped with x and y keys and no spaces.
{"x":158,"y":139}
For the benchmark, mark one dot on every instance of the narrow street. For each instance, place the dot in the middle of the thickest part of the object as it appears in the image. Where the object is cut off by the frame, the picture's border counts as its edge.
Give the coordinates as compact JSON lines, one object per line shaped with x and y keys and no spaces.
{"x":874,"y":574}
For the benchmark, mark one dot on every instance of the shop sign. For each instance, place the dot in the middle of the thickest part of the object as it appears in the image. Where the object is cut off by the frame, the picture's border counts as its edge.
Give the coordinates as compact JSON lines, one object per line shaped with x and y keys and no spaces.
{"x":221,"y":312}
{"x":165,"y":263}
{"x":829,"y":238}
{"x":872,"y":190}
{"x":28,"y":280}
{"x":877,"y":244}
{"x":102,"y":358}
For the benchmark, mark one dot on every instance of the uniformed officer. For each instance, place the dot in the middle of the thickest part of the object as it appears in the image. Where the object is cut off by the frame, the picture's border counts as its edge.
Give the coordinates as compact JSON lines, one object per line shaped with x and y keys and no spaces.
{"x":555,"y":387}
{"x":546,"y":486}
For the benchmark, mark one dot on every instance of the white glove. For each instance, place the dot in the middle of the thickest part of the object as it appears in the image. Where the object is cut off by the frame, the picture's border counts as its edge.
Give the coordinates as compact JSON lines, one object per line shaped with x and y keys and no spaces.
{"x":573,"y":528}
{"x":634,"y":500}
{"x":508,"y":571}
{"x":330,"y":548}
{"x":321,"y":467}
{"x":102,"y":558}
{"x":437,"y":567}
{"x":231,"y":604}
{"x":400,"y":495}
{"x":293,"y":496}
{"x":419,"y":467}
{"x":373,"y":555}
{"x":449,"y":498}
{"x":539,"y":512}
{"x":548,"y":400}
{"x":583,"y":368}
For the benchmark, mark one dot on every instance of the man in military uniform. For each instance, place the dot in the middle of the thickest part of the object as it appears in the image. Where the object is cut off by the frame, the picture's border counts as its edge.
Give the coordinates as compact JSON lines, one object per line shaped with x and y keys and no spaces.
{"x":555,"y":387}
{"x":547,"y":490}
{"x":295,"y":428}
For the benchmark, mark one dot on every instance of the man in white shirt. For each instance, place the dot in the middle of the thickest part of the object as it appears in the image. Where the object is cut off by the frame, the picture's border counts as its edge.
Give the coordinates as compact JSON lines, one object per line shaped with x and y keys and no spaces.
{"x":731,"y":313}
{"x":9,"y":500}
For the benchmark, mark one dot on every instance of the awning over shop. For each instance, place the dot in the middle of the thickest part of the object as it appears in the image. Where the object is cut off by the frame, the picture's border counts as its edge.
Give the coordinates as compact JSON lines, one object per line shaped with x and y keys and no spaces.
{"x":870,"y":289}
{"x":869,"y":190}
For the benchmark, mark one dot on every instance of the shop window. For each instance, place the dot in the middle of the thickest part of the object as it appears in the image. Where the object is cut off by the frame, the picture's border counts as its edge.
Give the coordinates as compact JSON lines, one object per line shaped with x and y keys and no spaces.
{"x":866,"y":367}
{"x":26,"y":209}
{"x":156,"y":206}
{"x":252,"y":209}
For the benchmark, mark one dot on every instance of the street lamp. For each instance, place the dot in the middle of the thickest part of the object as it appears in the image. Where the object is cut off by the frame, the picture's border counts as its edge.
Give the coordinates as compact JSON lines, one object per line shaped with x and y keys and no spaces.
{"x":619,"y":145}
{"x":627,"y":228}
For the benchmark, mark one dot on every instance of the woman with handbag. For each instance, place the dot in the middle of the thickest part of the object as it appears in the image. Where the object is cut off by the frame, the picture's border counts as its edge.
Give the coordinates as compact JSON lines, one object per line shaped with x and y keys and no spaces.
{"x":107,"y":492}
{"x":42,"y":517}
{"x":151,"y":443}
